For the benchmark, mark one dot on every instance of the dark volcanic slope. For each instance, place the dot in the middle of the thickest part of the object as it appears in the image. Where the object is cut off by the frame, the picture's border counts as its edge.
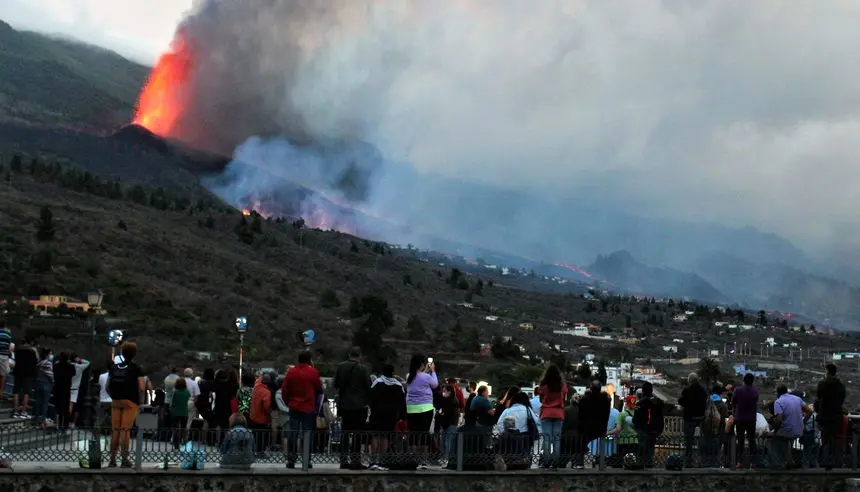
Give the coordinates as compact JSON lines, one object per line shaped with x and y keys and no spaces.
{"x":627,"y":274}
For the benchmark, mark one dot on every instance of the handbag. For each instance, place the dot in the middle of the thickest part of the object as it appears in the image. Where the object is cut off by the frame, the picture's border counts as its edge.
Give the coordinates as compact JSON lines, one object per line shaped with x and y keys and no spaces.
{"x":531,"y":425}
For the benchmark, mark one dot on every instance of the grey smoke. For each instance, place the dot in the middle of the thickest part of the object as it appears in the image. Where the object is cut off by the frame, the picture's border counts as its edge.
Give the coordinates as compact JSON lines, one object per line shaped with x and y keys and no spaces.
{"x":743,"y":113}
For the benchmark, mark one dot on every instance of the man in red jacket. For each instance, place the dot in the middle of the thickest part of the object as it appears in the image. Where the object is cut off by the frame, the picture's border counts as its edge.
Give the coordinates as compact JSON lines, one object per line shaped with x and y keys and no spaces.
{"x":301,"y":393}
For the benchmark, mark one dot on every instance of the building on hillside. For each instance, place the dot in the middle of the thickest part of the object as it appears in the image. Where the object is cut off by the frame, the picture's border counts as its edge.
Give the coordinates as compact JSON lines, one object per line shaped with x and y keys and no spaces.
{"x":741,"y":369}
{"x":527,"y":326}
{"x":680,"y":318}
{"x":670,"y":348}
{"x":629,"y":341}
{"x":52,"y":303}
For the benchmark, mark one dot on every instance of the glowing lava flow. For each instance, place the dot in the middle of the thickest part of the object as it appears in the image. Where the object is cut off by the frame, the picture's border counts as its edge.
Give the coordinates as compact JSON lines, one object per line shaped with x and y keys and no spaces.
{"x":160,"y":104}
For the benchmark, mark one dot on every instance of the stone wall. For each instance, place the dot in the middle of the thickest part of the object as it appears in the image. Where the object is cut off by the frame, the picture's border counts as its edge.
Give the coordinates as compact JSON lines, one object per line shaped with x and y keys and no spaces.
{"x":262,"y":481}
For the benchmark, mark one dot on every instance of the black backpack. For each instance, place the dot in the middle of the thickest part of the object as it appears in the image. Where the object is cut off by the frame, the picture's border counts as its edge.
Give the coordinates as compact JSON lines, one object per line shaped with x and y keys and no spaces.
{"x":119,"y":379}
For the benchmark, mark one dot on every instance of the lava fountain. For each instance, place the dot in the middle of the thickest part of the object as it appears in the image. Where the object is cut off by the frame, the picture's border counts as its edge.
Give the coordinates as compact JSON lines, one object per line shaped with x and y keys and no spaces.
{"x":160,"y":103}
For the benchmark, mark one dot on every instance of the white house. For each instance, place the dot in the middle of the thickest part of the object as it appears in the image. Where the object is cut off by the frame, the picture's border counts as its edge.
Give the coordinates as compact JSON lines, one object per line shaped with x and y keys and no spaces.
{"x":678,"y":340}
{"x":491,"y":318}
{"x":670,"y":348}
{"x":680,"y":318}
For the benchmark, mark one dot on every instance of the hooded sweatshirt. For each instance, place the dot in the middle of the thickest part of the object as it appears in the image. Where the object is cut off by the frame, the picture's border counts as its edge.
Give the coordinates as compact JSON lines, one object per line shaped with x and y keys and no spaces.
{"x":387,"y":399}
{"x":261,"y":404}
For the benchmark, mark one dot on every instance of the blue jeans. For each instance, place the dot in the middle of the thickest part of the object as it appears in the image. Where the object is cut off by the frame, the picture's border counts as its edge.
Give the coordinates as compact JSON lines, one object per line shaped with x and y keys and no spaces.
{"x":299,"y":422}
{"x":43,"y":398}
{"x":449,"y":445}
{"x":551,"y":430}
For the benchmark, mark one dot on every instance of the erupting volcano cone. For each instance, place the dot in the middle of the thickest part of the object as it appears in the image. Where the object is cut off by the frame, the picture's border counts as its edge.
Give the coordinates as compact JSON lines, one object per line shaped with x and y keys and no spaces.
{"x":160,"y":102}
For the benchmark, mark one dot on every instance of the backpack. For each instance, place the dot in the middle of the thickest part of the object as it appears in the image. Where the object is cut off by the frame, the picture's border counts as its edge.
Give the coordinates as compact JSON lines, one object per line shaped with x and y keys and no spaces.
{"x":244,"y":398}
{"x":119,"y":380}
{"x":711,"y":423}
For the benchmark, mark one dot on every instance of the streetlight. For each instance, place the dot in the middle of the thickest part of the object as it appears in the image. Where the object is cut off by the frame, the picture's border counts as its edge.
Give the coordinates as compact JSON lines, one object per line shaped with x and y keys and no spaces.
{"x":94,"y":302}
{"x":241,"y":324}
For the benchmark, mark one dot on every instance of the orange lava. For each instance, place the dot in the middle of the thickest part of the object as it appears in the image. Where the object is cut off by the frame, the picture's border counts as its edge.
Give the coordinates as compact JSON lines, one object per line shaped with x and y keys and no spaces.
{"x":160,"y":104}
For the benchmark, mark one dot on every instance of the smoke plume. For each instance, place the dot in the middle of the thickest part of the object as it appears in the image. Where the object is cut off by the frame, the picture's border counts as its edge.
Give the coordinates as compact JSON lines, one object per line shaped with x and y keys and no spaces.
{"x":571,"y":113}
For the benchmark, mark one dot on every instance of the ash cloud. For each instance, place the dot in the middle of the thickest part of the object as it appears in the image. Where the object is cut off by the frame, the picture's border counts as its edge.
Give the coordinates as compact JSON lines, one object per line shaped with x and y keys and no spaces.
{"x":568,"y":114}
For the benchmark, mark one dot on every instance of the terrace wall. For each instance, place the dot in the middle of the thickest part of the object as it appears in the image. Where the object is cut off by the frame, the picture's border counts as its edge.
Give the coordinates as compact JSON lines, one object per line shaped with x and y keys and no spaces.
{"x":216,"y":480}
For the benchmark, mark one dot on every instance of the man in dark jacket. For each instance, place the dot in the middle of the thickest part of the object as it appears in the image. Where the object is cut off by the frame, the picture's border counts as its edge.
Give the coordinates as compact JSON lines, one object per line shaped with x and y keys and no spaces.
{"x":649,"y":423}
{"x":693,"y":400}
{"x":26,"y":362}
{"x":831,"y":397}
{"x":352,"y":382}
{"x":594,"y":408}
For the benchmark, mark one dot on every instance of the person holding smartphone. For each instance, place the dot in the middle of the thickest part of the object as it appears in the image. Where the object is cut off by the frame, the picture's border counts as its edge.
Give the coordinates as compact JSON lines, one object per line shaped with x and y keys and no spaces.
{"x":420,"y":384}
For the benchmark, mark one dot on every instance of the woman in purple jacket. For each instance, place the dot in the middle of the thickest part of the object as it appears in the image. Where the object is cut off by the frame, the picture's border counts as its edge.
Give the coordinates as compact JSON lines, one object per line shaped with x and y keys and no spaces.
{"x":420,"y":384}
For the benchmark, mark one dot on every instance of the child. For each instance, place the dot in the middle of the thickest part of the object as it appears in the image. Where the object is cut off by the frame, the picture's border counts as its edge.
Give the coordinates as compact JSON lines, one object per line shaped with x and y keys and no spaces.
{"x":179,"y":411}
{"x":237,"y":449}
{"x":191,"y":454}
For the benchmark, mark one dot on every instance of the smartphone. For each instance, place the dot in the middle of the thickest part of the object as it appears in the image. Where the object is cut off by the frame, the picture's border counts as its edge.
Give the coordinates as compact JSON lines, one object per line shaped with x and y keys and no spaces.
{"x":429,"y":360}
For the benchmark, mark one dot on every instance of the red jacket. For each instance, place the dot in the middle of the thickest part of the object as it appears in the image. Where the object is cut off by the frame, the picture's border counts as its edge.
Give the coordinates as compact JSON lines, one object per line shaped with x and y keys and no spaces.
{"x":301,"y":387}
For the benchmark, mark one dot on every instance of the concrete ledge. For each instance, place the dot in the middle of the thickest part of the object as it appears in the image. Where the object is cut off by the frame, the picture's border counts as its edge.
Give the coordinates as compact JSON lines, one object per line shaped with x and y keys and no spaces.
{"x":270,"y":480}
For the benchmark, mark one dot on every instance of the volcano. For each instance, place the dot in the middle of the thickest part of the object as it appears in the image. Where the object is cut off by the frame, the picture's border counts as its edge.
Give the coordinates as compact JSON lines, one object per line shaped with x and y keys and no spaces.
{"x":197,"y":161}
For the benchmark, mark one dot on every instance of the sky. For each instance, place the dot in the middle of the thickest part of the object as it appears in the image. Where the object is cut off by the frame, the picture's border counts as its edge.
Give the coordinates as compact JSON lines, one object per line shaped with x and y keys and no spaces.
{"x":137,"y":29}
{"x":744,"y":113}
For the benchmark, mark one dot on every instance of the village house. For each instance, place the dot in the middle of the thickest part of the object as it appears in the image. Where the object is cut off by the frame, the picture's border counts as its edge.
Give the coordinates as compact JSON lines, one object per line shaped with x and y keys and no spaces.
{"x":527,"y":326}
{"x":57,"y":303}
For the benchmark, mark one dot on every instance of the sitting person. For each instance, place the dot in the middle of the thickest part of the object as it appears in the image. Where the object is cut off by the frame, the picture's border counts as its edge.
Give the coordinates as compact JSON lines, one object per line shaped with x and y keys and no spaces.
{"x":514,"y":446}
{"x":237,"y":449}
{"x":191,"y":455}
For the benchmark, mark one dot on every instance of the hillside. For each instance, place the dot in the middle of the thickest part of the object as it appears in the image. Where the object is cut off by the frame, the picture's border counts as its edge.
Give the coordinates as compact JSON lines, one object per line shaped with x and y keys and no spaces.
{"x":179,"y":270}
{"x":53,"y":82}
{"x":625,"y":273}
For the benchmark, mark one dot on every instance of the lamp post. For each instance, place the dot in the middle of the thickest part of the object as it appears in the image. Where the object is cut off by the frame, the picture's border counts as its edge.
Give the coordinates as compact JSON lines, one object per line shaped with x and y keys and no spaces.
{"x":94,"y":303}
{"x":241,"y":324}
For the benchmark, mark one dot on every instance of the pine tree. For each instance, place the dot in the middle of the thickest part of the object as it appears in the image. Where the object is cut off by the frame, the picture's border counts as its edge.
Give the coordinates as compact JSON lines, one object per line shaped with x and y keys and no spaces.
{"x":45,"y":226}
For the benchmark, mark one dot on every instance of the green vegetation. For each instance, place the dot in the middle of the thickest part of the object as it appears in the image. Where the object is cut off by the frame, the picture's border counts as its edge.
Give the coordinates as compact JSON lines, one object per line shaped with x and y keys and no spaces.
{"x":52,"y":81}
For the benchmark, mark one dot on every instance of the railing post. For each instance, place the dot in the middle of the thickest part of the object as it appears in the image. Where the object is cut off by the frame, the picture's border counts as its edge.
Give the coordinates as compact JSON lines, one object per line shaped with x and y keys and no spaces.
{"x":459,"y":451}
{"x":601,"y":453}
{"x":306,"y":450}
{"x":853,"y":451}
{"x":138,"y":450}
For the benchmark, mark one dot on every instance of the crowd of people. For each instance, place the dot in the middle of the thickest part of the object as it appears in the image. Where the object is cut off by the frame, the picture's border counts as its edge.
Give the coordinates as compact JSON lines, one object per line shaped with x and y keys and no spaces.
{"x":771,"y":433}
{"x":420,"y":420}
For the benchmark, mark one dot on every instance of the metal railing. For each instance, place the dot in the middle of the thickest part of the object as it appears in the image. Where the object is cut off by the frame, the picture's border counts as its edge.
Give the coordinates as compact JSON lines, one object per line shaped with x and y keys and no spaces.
{"x":464,"y":450}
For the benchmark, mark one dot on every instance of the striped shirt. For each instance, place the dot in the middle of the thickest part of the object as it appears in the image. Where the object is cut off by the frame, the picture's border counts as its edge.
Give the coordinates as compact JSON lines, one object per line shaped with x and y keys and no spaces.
{"x":5,"y":343}
{"x":46,"y":370}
